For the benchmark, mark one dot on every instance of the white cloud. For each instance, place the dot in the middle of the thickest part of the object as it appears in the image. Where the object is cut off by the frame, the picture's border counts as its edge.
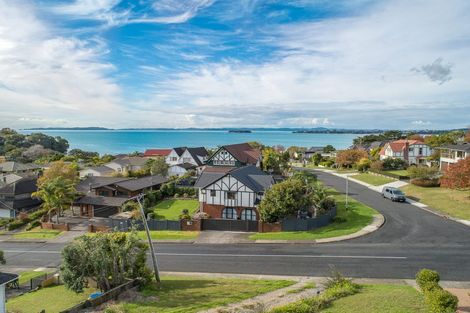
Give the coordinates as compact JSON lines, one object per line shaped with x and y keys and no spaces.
{"x":347,"y":68}
{"x":49,"y":78}
{"x":421,"y":123}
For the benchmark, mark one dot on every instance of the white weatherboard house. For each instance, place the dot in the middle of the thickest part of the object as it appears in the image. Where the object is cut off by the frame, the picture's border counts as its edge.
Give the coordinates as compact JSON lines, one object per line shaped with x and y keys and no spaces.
{"x":232,"y":193}
{"x":413,"y":152}
{"x":183,"y":159}
{"x":451,"y":154}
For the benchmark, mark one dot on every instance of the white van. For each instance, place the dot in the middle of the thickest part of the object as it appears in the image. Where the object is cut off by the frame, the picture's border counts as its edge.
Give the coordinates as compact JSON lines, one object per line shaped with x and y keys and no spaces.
{"x":393,"y":194}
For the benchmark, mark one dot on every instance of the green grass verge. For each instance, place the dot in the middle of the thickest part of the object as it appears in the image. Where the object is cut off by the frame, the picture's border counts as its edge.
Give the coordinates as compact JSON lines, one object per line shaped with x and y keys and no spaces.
{"x":193,"y":294}
{"x":455,"y":203}
{"x":169,"y":235}
{"x":380,"y":299}
{"x":372,"y":179}
{"x":172,"y":209}
{"x":26,"y":276}
{"x":397,"y":172}
{"x":303,"y":288}
{"x":348,"y":221}
{"x":37,"y":233}
{"x":51,"y":299}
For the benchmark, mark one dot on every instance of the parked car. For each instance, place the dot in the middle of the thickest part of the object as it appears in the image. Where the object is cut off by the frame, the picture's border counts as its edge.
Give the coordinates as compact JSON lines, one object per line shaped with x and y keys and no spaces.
{"x":393,"y":194}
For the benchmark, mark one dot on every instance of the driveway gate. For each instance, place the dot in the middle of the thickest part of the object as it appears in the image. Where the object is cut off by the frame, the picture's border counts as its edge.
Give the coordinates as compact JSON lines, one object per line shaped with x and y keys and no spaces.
{"x":229,"y":225}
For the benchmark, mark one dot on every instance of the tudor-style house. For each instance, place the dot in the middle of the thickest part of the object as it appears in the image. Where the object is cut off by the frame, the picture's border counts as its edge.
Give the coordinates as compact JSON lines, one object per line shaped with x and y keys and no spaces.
{"x":236,"y":155}
{"x":413,"y":152}
{"x":451,"y":154}
{"x":231,"y":192}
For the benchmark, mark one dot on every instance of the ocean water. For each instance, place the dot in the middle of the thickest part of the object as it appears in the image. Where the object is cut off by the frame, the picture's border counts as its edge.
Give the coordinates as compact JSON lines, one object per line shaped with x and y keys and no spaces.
{"x":126,"y":141}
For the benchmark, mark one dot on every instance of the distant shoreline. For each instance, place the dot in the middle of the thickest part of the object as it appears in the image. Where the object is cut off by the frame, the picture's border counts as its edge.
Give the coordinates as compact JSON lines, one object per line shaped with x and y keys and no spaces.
{"x":319,"y":130}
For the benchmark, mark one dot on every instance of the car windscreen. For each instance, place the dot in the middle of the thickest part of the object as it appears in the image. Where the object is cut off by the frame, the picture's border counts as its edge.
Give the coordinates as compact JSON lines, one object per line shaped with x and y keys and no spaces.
{"x":398,"y":192}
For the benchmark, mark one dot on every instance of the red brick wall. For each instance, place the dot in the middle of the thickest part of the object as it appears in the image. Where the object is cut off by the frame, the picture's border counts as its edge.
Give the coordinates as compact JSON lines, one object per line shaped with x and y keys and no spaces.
{"x":191,"y":225}
{"x":96,"y":228}
{"x":62,"y":227}
{"x":269,"y":227}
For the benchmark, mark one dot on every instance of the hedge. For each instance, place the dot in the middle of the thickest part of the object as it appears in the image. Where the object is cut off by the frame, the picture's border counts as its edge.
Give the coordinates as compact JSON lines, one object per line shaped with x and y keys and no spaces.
{"x":437,"y":299}
{"x":421,"y":182}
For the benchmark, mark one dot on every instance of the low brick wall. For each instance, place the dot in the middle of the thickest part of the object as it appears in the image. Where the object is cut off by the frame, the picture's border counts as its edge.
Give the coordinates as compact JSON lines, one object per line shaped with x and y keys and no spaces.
{"x":110,"y":295}
{"x":98,"y":228}
{"x":269,"y":227}
{"x":61,"y":227}
{"x":191,"y":225}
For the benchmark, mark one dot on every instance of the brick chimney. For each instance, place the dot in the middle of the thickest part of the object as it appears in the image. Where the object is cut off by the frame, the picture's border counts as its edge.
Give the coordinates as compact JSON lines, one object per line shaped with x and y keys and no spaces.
{"x":406,"y":152}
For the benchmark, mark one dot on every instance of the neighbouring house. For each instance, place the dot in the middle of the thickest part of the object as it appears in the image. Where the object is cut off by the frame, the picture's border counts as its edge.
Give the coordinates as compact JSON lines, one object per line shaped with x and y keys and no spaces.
{"x":18,"y":168}
{"x":232,"y":193}
{"x":98,"y":206}
{"x":451,"y":154}
{"x":15,"y":195}
{"x":104,"y":196}
{"x":309,"y":153}
{"x":413,"y":152}
{"x":97,"y":171}
{"x":157,"y":153}
{"x":127,"y":164}
{"x":236,"y":155}
{"x":5,"y":278}
{"x":183,"y":159}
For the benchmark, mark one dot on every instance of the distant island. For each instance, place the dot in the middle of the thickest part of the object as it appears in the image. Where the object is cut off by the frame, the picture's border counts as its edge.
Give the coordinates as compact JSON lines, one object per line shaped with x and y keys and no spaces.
{"x":240,"y":131}
{"x":316,"y":130}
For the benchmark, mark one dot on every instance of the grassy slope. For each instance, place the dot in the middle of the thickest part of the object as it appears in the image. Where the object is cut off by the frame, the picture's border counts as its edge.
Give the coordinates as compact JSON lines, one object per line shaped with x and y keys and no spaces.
{"x":355,"y":218}
{"x":171,"y":209}
{"x":52,"y":299}
{"x":375,"y":180}
{"x":398,"y":172}
{"x":380,"y":299}
{"x":169,"y":235}
{"x":26,"y":276}
{"x":189,"y":294}
{"x":37,"y":233}
{"x":455,"y":203}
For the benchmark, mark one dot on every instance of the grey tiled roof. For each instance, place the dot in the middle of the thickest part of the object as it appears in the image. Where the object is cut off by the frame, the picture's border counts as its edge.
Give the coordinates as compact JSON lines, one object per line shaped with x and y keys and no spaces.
{"x":102,"y":201}
{"x":142,"y":182}
{"x":462,"y":147}
{"x":5,"y":278}
{"x":17,"y":166}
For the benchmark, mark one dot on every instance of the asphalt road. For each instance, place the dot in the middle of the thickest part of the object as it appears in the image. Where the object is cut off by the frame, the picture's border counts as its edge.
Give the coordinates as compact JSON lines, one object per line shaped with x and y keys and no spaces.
{"x":410,"y":239}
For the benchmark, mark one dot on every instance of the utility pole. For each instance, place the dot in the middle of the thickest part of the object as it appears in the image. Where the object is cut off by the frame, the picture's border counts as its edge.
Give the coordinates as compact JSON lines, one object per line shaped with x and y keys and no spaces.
{"x":347,"y":190}
{"x":146,"y":226}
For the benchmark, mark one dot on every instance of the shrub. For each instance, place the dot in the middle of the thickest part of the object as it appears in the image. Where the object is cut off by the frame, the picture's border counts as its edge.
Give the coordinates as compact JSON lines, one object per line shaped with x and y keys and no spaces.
{"x":423,"y":172}
{"x":327,"y":163}
{"x":363,"y":164}
{"x":377,"y":166}
{"x":33,"y":224}
{"x":393,"y":164}
{"x":130,"y":206}
{"x":176,"y":195}
{"x":17,"y":224}
{"x":440,"y":301}
{"x":201,"y":216}
{"x":457,"y":176}
{"x":348,"y":158}
{"x":425,"y":277}
{"x":425,"y":182}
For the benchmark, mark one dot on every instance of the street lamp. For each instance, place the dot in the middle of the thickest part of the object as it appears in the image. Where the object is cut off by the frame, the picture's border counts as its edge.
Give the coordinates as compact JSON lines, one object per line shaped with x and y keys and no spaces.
{"x":347,"y":190}
{"x":146,"y":226}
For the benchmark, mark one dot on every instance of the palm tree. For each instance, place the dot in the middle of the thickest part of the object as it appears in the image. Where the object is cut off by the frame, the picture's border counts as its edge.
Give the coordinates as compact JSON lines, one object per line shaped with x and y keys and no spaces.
{"x":56,"y":194}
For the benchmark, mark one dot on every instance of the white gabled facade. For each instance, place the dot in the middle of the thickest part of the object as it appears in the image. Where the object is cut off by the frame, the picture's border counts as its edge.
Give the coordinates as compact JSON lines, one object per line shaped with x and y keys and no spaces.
{"x":223,"y":158}
{"x":173,"y":158}
{"x":411,"y":151}
{"x":229,"y":192}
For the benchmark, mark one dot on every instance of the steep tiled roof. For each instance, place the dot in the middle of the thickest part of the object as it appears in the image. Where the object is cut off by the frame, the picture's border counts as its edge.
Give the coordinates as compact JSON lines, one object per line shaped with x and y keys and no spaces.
{"x":399,"y":145}
{"x":142,"y":182}
{"x":179,"y":150}
{"x":198,"y":153}
{"x":244,"y":153}
{"x":16,"y":166}
{"x":157,"y":152}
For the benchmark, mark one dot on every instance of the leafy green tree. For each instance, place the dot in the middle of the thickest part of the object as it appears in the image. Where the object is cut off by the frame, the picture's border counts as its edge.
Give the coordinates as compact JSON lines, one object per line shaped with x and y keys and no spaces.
{"x":109,"y":259}
{"x":61,"y":169}
{"x":467,"y":136}
{"x":328,"y":149}
{"x":156,"y":166}
{"x":316,"y":159}
{"x":271,"y":160}
{"x":363,"y":164}
{"x":282,"y":200}
{"x":393,"y":164}
{"x":348,"y":158}
{"x":448,"y":138}
{"x":56,"y":194}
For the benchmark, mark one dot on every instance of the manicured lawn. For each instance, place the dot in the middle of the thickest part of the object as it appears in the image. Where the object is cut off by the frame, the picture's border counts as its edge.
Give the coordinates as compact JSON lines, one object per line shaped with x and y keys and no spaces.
{"x":37,"y":233}
{"x":169,"y":235}
{"x":26,"y":276}
{"x":51,"y":299}
{"x":193,"y":294}
{"x":455,"y":203}
{"x":398,"y":172}
{"x":348,"y":221}
{"x":380,"y":299}
{"x":172,"y":209}
{"x":372,"y":179}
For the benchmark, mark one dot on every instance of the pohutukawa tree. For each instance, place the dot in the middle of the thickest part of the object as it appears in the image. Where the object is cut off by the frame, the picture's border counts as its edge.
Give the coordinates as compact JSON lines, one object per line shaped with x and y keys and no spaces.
{"x":457,"y":176}
{"x":109,"y":259}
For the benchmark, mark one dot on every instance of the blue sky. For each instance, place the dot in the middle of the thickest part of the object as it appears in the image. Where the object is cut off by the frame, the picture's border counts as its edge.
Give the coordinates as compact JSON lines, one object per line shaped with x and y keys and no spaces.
{"x":209,"y":63}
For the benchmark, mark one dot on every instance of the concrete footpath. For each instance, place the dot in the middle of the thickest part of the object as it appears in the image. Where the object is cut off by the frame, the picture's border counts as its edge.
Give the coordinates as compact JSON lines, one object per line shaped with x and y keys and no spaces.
{"x":396,"y":184}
